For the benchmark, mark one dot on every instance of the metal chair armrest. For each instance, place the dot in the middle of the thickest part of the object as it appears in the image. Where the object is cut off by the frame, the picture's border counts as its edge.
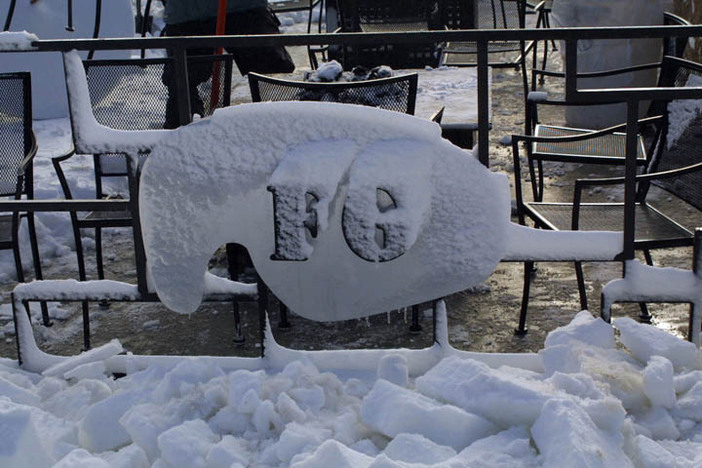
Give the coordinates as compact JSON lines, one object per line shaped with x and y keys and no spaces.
{"x":29,"y":157}
{"x":59,"y":172}
{"x":584,"y":136}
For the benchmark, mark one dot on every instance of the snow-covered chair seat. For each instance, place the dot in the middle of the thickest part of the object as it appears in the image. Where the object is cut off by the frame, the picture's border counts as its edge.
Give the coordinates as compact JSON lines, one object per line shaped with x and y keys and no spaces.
{"x":645,"y":283}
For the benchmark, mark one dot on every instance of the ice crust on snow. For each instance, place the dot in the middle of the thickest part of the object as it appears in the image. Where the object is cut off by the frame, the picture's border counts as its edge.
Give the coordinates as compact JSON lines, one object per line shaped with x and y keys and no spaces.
{"x":600,"y":406}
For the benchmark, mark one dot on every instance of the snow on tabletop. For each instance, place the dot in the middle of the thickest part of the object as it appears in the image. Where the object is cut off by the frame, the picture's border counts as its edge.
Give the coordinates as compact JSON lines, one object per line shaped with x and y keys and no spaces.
{"x":397,"y":216}
{"x":608,"y":410}
{"x":17,"y":40}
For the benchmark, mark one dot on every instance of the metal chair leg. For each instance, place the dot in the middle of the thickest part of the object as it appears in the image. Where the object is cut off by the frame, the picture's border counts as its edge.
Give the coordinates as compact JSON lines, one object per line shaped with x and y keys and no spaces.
{"x":98,"y":253}
{"x":86,"y":326}
{"x":415,"y":327}
{"x":238,"y":335}
{"x":521,"y":330}
{"x":581,"y":285}
{"x":645,"y":316}
{"x":283,"y":321}
{"x":37,"y":266}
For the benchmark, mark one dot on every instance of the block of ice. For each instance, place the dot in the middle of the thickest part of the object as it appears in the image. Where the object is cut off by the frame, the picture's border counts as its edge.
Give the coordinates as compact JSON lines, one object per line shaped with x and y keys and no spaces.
{"x":414,"y":448}
{"x":332,"y":453}
{"x":510,"y":448}
{"x":131,"y":456}
{"x":228,"y":452}
{"x":81,"y":458}
{"x":20,"y":445}
{"x":566,"y":436}
{"x":297,"y":438}
{"x":187,"y":445}
{"x":690,"y":403}
{"x":585,"y":328}
{"x":644,"y":341}
{"x":492,"y":393}
{"x":650,"y":454}
{"x":393,"y":368}
{"x":658,"y":382}
{"x":17,"y":393}
{"x":394,"y":410}
{"x":659,"y":423}
{"x":100,"y":353}
{"x":100,"y":429}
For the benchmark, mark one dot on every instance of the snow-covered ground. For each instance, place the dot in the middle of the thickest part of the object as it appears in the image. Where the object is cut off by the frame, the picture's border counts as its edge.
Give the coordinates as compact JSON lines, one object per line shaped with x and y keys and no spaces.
{"x":582,"y":401}
{"x":590,"y":397}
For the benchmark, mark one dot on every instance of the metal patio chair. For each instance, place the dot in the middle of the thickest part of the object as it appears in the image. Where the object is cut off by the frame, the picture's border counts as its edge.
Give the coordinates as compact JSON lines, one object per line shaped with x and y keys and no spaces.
{"x":397,"y":93}
{"x":386,"y":16}
{"x":116,"y":105}
{"x":18,"y":146}
{"x":675,"y":167}
{"x":118,"y":110}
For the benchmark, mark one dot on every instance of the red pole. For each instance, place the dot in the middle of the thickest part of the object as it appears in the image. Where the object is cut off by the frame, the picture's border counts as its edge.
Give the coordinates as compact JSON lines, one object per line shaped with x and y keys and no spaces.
{"x":221,"y":28}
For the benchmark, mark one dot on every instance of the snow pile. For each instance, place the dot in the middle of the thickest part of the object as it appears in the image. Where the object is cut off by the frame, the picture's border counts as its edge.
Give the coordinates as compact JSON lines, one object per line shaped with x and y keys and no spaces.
{"x":20,"y":40}
{"x":592,"y":405}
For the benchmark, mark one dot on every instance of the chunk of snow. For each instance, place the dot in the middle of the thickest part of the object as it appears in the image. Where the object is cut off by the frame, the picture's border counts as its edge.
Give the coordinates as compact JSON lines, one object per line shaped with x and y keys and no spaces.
{"x":585,"y":328}
{"x":100,"y":429}
{"x":81,"y":458}
{"x":394,"y":410}
{"x":297,"y":438}
{"x":510,"y":448}
{"x":645,"y":341}
{"x":20,"y":445}
{"x":414,"y":448}
{"x":649,"y":454}
{"x":393,"y":368}
{"x":187,"y":445}
{"x":332,"y":453}
{"x":689,"y":405}
{"x":498,"y":396}
{"x":659,"y":423}
{"x":228,"y":452}
{"x":566,"y":436}
{"x":658,"y":382}
{"x":131,"y":456}
{"x":91,"y":370}
{"x":100,"y":353}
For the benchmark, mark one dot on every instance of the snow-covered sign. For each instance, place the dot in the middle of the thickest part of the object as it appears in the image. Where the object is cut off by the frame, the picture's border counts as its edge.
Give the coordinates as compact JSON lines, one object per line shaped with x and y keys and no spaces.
{"x":346,"y":210}
{"x":48,"y":20}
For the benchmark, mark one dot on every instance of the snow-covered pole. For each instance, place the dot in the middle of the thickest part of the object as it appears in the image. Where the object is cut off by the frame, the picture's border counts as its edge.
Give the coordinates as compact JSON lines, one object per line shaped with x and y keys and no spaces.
{"x":221,"y":27}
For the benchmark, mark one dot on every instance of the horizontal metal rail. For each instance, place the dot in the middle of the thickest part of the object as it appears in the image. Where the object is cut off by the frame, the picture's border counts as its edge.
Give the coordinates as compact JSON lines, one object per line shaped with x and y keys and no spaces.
{"x":488,"y":35}
{"x":31,"y":206}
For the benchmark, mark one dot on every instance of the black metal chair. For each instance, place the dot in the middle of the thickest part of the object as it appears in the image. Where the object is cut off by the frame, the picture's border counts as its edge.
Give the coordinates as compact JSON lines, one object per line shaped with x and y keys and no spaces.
{"x":387,"y":16}
{"x":107,"y":85}
{"x":398,"y":93}
{"x":116,"y":106}
{"x":675,"y":166}
{"x":18,"y":146}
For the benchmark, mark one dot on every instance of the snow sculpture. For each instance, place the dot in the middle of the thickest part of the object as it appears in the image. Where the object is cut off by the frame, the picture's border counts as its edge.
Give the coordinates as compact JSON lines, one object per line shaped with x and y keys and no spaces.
{"x":48,"y":20}
{"x":346,"y":210}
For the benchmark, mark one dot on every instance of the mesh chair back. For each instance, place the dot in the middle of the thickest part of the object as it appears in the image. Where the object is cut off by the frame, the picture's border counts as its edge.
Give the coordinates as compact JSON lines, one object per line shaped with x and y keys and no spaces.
{"x":111,"y":84}
{"x":396,"y":93}
{"x":388,"y":16}
{"x":675,"y":46}
{"x":15,"y":129}
{"x":683,"y":142}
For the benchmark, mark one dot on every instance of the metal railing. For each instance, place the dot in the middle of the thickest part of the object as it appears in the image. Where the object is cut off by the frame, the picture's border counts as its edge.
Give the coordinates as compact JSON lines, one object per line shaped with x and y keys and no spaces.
{"x":570,"y":36}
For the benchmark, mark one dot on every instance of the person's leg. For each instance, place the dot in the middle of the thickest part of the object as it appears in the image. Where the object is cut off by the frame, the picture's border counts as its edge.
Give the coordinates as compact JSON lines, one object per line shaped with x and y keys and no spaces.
{"x":197,"y":73}
{"x":258,"y":59}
